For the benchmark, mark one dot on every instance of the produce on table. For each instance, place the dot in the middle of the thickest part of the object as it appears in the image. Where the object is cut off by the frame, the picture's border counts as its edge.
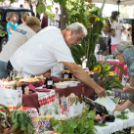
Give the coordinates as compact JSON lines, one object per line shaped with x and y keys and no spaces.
{"x":16,"y":122}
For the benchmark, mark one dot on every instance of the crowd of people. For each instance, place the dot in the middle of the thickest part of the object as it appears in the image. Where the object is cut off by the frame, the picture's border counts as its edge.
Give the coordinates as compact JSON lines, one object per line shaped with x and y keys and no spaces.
{"x":34,"y":47}
{"x":117,"y":31}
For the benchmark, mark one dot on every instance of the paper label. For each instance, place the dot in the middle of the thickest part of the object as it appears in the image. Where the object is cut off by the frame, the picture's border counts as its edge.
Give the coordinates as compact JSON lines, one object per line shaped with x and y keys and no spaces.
{"x":19,"y":88}
{"x":66,"y":75}
{"x":10,"y":97}
{"x":49,"y":82}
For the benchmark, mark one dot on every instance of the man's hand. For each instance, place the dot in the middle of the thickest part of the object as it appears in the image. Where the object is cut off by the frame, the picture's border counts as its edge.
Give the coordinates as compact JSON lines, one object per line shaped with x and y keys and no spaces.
{"x":47,"y":74}
{"x":128,"y":90}
{"x":82,"y":76}
{"x":118,"y":108}
{"x":100,"y":92}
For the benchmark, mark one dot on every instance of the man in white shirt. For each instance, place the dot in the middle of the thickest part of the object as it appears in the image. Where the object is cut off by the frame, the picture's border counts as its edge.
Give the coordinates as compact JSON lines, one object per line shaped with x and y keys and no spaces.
{"x":20,"y":35}
{"x":49,"y":47}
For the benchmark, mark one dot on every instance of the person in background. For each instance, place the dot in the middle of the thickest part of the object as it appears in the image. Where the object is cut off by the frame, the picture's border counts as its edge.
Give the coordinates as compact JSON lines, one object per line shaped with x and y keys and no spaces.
{"x":125,"y":53}
{"x":48,"y":48}
{"x":20,"y":36}
{"x":116,"y":31}
{"x":24,"y":18}
{"x":44,"y":21}
{"x":130,"y":33}
{"x":12,"y":24}
{"x":57,"y":17}
{"x":121,"y":26}
{"x":124,"y":36}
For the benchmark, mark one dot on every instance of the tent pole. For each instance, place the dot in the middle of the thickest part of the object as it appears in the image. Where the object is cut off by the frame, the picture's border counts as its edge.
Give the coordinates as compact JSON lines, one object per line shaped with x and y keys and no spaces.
{"x":133,"y":32}
{"x":118,"y":9}
{"x":118,"y":3}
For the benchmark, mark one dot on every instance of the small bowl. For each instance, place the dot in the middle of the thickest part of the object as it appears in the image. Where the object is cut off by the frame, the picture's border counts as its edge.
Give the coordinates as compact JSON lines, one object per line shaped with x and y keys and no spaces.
{"x":73,"y":84}
{"x":61,"y":85}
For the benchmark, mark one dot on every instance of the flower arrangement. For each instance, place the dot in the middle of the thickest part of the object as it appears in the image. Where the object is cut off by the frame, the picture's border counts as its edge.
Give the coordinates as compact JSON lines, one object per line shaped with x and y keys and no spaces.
{"x":109,"y":78}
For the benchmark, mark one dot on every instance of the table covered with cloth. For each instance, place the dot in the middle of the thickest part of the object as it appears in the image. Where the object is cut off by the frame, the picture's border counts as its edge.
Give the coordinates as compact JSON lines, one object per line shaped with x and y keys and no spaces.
{"x":31,"y":100}
{"x":115,"y":63}
{"x":117,"y":125}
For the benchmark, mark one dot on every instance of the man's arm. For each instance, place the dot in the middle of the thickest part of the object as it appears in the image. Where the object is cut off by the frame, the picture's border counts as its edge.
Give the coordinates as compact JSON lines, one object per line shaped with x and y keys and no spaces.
{"x":81,"y":75}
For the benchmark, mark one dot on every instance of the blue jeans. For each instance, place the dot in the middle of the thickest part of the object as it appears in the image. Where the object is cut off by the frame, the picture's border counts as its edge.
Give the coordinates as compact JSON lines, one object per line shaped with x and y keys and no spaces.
{"x":3,"y":70}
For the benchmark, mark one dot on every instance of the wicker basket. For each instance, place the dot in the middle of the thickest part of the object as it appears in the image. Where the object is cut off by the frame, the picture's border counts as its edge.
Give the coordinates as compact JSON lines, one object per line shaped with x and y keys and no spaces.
{"x":17,"y":131}
{"x":3,"y":131}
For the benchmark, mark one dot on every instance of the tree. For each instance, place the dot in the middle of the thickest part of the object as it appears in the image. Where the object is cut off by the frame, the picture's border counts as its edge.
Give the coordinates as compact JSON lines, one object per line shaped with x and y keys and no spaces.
{"x":64,"y":17}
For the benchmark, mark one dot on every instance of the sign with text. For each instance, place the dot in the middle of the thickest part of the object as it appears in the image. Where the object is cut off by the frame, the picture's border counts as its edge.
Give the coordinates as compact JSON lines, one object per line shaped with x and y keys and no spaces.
{"x":10,"y":97}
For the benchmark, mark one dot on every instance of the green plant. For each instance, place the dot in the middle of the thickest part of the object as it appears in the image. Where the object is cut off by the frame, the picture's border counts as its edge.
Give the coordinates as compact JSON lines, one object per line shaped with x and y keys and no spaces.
{"x":91,"y":17}
{"x":123,"y":115}
{"x":22,"y":121}
{"x":79,"y":125}
{"x":101,"y":125}
{"x":110,"y":79}
{"x":78,"y":52}
{"x":2,"y":33}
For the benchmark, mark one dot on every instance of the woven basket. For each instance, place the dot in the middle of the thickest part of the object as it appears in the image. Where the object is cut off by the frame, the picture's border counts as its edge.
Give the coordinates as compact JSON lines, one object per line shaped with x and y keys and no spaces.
{"x":17,"y":131}
{"x":3,"y":131}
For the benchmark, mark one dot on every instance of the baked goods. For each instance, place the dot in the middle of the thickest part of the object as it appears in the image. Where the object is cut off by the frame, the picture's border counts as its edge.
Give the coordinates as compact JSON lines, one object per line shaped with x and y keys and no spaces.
{"x":4,"y":83}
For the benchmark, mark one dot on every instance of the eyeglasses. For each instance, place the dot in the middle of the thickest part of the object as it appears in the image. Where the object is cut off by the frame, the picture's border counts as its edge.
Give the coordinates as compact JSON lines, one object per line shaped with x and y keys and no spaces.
{"x":79,"y":39}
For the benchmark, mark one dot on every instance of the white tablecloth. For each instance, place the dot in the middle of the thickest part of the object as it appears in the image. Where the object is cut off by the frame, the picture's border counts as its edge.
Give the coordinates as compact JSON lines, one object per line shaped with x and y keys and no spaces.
{"x":117,"y":125}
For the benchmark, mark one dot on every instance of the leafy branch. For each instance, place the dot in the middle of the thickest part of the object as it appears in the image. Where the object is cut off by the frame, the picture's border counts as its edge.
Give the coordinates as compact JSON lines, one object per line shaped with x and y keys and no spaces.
{"x":123,"y":115}
{"x":75,"y":125}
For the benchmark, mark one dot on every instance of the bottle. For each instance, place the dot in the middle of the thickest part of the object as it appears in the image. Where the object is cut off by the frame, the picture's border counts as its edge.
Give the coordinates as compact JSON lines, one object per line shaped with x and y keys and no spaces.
{"x":18,"y":86}
{"x":49,"y":82}
{"x":82,"y":94}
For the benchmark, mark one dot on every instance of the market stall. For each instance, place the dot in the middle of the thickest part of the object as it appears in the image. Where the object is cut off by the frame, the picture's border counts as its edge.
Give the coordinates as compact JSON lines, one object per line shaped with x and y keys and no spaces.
{"x":31,"y":100}
{"x":47,"y":101}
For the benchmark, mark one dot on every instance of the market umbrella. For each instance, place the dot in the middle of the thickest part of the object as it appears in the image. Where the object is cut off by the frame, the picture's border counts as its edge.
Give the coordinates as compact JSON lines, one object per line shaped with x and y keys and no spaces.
{"x":116,"y":2}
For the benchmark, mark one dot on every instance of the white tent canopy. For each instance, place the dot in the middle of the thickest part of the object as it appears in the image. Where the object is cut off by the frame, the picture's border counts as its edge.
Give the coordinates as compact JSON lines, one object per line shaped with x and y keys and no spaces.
{"x":122,"y":2}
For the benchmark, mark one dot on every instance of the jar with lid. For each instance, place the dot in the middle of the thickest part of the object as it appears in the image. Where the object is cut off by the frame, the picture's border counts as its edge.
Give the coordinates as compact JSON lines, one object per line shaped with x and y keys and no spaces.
{"x":49,"y":82}
{"x":65,"y":74}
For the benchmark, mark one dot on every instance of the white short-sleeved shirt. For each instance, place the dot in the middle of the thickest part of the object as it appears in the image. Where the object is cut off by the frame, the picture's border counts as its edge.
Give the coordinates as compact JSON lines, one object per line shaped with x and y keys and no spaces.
{"x":42,"y":52}
{"x":21,"y":35}
{"x":123,"y":37}
{"x":117,"y":39}
{"x":57,"y":69}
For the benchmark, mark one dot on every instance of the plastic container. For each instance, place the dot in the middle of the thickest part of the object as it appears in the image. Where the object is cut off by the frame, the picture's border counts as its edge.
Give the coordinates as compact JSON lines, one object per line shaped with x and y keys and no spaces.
{"x":61,"y":85}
